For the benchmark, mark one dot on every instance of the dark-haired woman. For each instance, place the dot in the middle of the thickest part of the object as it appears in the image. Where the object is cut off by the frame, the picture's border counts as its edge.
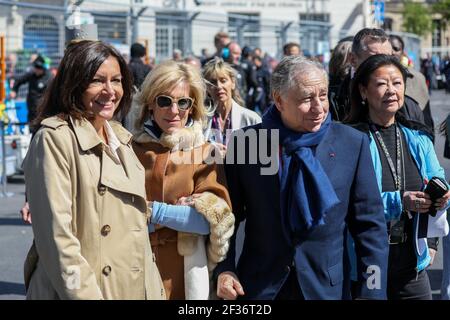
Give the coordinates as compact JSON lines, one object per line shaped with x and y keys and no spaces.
{"x":404,"y":160}
{"x":86,"y":187}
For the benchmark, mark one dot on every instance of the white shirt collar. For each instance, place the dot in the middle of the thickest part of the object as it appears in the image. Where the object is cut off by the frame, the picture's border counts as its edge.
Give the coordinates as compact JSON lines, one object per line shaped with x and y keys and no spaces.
{"x":113,"y":141}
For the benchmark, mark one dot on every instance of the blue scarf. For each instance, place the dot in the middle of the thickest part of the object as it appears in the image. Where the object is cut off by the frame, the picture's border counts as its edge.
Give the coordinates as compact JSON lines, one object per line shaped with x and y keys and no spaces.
{"x":307,"y":194}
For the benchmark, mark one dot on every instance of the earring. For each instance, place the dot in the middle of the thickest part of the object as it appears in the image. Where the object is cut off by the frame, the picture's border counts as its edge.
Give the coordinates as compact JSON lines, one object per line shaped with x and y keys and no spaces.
{"x":363,"y":102}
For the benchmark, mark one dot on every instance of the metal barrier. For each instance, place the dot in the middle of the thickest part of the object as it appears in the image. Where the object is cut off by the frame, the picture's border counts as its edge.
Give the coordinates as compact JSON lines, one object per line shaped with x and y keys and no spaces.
{"x":4,"y":178}
{"x":4,"y":193}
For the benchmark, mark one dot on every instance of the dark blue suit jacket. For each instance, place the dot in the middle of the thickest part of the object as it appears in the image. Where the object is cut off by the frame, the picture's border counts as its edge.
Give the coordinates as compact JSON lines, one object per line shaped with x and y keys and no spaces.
{"x":320,"y":256}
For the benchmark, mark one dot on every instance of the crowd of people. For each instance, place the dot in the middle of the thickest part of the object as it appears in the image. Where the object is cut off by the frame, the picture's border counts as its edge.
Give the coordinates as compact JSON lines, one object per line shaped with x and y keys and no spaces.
{"x":182,"y":204}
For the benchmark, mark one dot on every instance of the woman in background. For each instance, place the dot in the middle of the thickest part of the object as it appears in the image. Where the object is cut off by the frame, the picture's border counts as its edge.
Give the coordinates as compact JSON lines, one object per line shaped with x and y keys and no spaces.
{"x":228,"y":114}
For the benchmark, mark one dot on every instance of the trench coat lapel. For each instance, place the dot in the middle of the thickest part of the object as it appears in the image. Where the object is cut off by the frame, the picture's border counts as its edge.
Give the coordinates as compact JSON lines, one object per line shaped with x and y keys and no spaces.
{"x":117,"y":176}
{"x":85,"y":132}
{"x":124,"y":179}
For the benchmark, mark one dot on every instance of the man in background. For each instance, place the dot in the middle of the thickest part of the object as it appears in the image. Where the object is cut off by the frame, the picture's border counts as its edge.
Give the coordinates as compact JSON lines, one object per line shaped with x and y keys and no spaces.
{"x":292,"y":49}
{"x":137,"y":64}
{"x":37,"y":78}
{"x":416,"y":85}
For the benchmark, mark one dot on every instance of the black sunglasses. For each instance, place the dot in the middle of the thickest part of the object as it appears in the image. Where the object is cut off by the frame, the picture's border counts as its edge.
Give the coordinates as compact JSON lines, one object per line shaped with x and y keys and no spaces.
{"x":183,"y":103}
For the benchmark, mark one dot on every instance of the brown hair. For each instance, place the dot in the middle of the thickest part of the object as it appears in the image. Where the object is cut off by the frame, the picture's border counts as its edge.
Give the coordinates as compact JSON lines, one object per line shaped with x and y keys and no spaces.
{"x":287,"y":47}
{"x":78,"y":67}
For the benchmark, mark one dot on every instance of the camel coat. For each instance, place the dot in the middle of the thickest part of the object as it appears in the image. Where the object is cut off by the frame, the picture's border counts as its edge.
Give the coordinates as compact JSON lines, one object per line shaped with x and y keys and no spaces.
{"x":89,"y":217}
{"x":167,"y":180}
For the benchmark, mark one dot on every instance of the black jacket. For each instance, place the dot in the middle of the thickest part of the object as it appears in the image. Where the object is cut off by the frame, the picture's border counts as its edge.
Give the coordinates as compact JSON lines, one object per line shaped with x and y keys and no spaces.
{"x":339,"y":98}
{"x":36,"y":87}
{"x":139,"y":71}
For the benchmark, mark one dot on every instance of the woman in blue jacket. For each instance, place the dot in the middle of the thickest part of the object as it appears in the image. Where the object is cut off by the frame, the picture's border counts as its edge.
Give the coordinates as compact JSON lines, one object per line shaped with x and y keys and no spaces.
{"x":404,"y":160}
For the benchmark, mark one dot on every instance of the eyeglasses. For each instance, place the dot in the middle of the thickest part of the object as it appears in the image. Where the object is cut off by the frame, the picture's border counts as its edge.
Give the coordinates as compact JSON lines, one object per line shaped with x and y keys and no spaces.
{"x":183,"y":103}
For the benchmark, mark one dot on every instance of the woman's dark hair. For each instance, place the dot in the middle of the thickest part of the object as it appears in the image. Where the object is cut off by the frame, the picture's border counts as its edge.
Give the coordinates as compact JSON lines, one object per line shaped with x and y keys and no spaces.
{"x":75,"y":72}
{"x":359,"y":112}
{"x":339,"y":65}
{"x":399,"y":39}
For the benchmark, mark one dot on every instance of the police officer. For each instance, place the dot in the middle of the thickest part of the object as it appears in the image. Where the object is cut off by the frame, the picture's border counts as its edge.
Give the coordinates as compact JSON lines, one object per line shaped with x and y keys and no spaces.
{"x":37,"y":79}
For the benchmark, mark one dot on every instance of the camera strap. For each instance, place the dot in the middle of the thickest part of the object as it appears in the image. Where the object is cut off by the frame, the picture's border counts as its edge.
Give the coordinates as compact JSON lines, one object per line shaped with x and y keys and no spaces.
{"x":396,"y":172}
{"x":397,"y":226}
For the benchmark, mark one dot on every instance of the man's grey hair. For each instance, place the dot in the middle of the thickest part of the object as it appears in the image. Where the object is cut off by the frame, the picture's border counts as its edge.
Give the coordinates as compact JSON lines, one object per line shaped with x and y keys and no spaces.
{"x":373,"y":34}
{"x":289,"y":71}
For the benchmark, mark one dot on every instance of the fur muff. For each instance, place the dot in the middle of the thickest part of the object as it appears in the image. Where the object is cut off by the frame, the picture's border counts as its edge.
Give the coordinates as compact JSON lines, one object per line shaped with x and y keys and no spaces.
{"x":221,"y":221}
{"x":184,"y":139}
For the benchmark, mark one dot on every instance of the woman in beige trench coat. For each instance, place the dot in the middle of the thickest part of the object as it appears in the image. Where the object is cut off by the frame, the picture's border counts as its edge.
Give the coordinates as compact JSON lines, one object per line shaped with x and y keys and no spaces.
{"x":86,"y":188}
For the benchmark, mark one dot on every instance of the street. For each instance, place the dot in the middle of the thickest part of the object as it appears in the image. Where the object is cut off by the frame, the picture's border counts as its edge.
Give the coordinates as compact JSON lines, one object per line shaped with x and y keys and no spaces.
{"x":16,"y":237}
{"x":15,"y":240}
{"x":440,"y":109}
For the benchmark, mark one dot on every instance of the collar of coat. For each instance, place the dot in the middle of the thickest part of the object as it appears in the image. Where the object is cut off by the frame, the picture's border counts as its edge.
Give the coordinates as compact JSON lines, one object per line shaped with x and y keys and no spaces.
{"x":85,"y":132}
{"x":183,"y":139}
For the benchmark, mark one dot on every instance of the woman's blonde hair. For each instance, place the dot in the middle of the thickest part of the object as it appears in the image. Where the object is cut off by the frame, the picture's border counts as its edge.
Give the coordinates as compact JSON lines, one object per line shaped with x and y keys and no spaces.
{"x":166,"y":76}
{"x":216,"y":68}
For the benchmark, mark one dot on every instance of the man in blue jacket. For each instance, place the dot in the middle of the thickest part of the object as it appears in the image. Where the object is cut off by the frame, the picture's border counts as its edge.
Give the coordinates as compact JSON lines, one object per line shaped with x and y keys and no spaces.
{"x":297,"y":219}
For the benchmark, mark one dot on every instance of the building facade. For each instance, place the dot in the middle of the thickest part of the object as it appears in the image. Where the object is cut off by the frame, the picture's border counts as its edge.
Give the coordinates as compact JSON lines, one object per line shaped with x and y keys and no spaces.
{"x":437,"y":42}
{"x":188,"y":25}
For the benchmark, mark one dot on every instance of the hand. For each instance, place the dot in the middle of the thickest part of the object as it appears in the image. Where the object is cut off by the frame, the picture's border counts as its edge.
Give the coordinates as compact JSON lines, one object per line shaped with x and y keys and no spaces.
{"x":441,"y":203}
{"x":228,"y":286}
{"x":25,"y":213}
{"x":432,"y":254}
{"x":12,"y":95}
{"x":222,"y":149}
{"x":187,"y":201}
{"x":416,"y":201}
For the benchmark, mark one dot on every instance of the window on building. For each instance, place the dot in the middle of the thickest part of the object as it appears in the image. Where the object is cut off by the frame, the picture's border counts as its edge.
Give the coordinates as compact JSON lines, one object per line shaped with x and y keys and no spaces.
{"x":321,"y":17}
{"x":111,"y":27}
{"x":437,"y":34}
{"x":171,"y":31}
{"x":387,"y":24}
{"x":41,"y":35}
{"x":314,"y":33}
{"x":245,"y":28}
